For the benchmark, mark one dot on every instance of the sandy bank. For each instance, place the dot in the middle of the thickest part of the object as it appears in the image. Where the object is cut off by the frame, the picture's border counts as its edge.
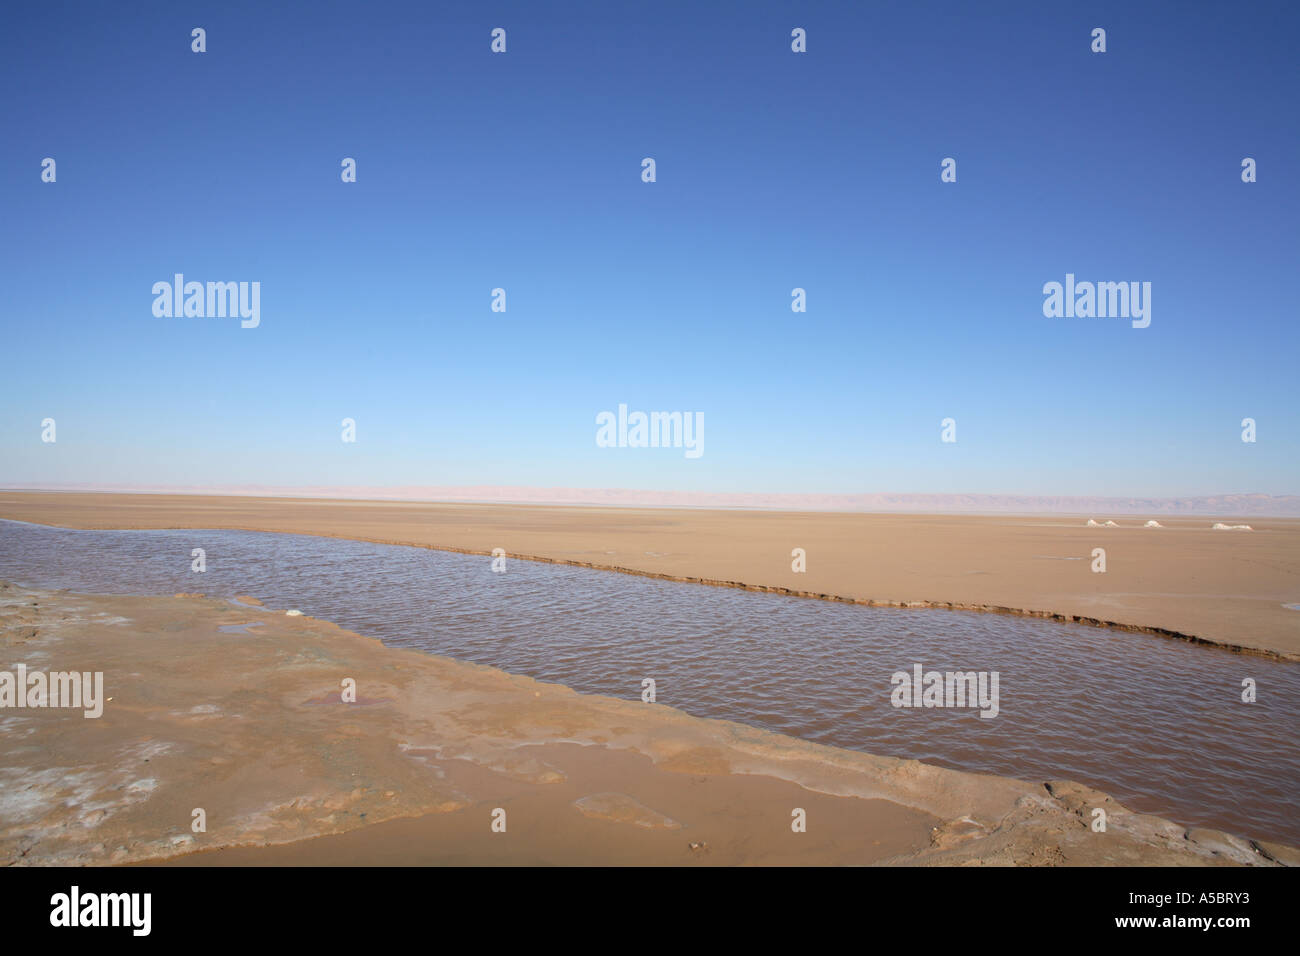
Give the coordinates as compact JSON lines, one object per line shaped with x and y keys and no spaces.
{"x":1181,"y":580}
{"x":249,"y":725}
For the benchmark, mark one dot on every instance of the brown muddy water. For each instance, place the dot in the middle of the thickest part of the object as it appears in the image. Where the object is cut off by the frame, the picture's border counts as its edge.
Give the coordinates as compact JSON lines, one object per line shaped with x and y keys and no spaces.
{"x":1157,"y":723}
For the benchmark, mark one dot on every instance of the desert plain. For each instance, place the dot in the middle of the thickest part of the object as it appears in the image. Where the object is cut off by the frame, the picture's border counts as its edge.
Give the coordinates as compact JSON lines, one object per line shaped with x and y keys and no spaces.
{"x":1229,"y":588}
{"x":248,"y":725}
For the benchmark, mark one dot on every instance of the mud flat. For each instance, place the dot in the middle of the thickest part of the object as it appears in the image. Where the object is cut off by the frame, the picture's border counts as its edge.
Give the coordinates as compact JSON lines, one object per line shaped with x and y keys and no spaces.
{"x":1182,"y":580}
{"x":238,"y":711}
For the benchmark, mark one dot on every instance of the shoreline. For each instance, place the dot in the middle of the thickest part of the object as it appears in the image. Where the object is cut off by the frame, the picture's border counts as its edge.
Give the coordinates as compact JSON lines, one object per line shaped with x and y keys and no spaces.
{"x":1053,"y":616}
{"x":717,"y":548}
{"x":250,"y":726}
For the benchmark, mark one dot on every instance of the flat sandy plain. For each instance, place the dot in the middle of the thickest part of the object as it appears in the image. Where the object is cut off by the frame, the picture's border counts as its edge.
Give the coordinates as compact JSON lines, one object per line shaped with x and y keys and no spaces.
{"x":251,"y":725}
{"x":1226,"y":587}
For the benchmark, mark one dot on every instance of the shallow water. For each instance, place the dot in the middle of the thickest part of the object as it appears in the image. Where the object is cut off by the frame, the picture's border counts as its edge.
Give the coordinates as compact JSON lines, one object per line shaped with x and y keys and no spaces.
{"x":1157,"y":723}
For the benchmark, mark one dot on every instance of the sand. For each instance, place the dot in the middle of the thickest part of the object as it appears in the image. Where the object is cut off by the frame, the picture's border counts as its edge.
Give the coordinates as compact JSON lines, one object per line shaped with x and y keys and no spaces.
{"x":249,"y":725}
{"x":1224,"y":587}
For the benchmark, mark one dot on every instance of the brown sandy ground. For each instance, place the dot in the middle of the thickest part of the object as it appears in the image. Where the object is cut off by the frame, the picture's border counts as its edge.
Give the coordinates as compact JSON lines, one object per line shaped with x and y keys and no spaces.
{"x":1225,"y":587}
{"x":250,"y":726}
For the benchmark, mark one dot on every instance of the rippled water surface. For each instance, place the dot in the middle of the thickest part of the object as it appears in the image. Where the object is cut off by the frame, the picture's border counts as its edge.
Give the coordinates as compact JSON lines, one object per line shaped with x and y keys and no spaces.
{"x":1157,"y":723}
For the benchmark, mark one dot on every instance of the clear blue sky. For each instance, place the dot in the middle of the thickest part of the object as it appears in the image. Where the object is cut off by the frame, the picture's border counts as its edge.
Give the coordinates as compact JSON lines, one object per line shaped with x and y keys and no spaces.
{"x":775,"y":170}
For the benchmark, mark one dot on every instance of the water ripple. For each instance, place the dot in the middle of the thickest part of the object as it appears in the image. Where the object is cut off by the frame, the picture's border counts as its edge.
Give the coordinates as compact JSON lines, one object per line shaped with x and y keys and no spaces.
{"x":1157,"y":723}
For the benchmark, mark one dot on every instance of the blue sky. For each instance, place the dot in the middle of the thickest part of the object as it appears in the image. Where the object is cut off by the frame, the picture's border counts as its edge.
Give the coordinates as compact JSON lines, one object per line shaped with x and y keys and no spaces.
{"x":775,"y":170}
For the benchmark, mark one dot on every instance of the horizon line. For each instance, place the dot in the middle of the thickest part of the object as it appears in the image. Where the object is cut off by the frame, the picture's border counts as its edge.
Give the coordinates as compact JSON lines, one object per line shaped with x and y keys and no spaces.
{"x":1252,"y":503}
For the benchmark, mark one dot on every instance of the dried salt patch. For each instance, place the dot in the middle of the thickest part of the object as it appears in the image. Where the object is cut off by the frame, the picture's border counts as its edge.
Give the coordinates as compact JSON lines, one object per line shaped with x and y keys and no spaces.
{"x":620,"y":808}
{"x":294,"y":613}
{"x":1220,"y":526}
{"x":1153,"y":524}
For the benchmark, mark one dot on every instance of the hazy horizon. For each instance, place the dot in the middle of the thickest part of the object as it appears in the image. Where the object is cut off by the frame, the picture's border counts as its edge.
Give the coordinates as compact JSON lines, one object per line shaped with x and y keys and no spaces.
{"x":1258,"y":505}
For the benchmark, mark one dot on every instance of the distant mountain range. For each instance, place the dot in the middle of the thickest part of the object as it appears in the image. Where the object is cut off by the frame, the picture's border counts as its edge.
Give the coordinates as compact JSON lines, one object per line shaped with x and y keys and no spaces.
{"x":1225,"y":504}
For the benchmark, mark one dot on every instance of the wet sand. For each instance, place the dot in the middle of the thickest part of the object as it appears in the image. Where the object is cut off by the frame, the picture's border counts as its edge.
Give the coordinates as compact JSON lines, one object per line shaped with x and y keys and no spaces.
{"x":249,"y":724}
{"x":1184,"y":580}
